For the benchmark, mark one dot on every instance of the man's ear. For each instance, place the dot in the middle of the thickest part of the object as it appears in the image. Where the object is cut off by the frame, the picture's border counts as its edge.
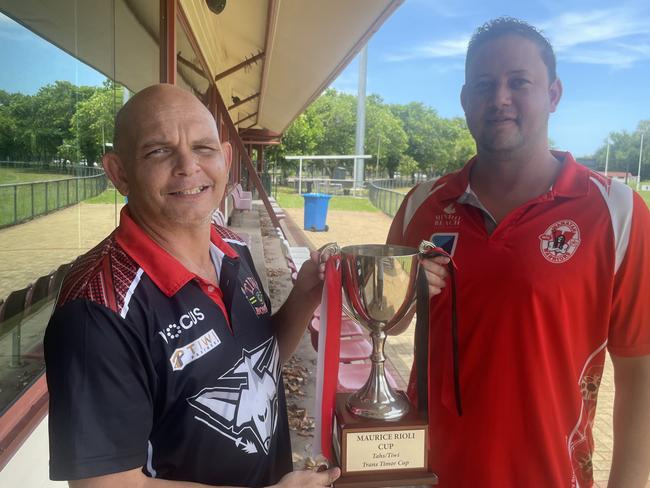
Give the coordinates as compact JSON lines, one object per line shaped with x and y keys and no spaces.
{"x":227,"y":154}
{"x":116,"y":172}
{"x":463,"y":98}
{"x":555,"y":93}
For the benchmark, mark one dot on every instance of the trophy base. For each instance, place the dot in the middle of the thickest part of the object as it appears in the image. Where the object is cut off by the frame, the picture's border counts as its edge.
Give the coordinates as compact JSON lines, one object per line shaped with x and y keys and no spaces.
{"x":375,"y":453}
{"x":381,"y":480}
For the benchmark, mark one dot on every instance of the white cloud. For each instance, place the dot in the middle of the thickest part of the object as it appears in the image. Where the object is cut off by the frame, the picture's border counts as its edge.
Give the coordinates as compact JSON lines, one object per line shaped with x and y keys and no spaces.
{"x":573,"y":29}
{"x":617,"y":37}
{"x":446,"y":48}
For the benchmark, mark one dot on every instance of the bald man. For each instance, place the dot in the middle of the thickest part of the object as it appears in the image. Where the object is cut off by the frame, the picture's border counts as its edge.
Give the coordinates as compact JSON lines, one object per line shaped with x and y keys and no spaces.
{"x":163,"y":359}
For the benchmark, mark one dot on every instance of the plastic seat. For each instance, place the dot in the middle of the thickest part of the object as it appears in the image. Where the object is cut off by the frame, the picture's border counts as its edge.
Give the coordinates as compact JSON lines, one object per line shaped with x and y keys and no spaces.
{"x":242,"y":200}
{"x":352,"y":376}
{"x":348,"y":326}
{"x":356,"y":348}
{"x":39,"y":294}
{"x":354,"y":345}
{"x":59,"y":275}
{"x":14,"y":305}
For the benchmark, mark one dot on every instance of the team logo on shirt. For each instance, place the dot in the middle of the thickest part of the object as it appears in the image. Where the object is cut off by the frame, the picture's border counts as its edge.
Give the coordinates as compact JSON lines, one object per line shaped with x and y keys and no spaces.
{"x":254,"y":295}
{"x":243,"y":405}
{"x":560,"y":241}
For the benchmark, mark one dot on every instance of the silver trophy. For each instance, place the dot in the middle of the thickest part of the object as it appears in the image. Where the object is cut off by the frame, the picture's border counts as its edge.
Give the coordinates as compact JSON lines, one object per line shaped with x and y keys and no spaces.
{"x":379,"y":283}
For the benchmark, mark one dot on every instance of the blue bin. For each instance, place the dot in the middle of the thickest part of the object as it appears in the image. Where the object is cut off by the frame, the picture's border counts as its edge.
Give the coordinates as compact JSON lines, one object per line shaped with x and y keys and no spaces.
{"x":316,"y":211}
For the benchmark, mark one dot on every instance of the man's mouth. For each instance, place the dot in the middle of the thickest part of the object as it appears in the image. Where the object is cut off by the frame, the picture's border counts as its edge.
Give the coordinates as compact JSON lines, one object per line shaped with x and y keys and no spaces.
{"x":191,"y":191}
{"x":501,"y":120}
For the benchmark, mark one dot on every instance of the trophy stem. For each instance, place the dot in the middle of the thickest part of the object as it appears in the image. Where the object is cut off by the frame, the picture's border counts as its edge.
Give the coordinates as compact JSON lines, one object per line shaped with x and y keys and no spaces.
{"x":376,"y":399}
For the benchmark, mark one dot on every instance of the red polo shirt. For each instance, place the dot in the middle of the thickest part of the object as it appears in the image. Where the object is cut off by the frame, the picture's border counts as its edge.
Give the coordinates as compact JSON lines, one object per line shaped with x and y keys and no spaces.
{"x":557,"y":282}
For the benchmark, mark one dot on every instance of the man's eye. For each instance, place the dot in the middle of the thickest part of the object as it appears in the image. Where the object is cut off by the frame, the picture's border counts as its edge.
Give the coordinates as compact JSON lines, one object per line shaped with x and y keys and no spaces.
{"x":155,"y":152}
{"x":482,"y":86}
{"x":205,"y":149}
{"x":519,"y":82}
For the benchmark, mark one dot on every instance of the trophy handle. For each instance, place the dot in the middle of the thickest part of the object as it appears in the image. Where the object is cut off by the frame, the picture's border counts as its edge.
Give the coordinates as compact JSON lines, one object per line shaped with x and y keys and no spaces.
{"x":329,"y":249}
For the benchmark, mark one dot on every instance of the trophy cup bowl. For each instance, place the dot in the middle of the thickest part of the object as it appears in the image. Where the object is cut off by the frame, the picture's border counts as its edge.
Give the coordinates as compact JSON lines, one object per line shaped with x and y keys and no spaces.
{"x":379,"y":283}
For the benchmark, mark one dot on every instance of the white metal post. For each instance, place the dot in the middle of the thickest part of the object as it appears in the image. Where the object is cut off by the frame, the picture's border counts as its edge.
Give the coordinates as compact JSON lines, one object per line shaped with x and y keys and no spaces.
{"x":300,"y":177}
{"x":607,"y":157}
{"x":361,"y":117}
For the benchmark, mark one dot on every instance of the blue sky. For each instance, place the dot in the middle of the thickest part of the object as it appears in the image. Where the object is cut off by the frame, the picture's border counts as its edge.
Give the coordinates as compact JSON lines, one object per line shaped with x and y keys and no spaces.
{"x":28,"y":62}
{"x":602,"y":47}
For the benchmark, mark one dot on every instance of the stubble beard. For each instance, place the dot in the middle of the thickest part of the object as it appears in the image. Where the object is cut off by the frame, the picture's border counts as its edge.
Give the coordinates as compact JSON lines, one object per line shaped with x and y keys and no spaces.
{"x":497,"y":143}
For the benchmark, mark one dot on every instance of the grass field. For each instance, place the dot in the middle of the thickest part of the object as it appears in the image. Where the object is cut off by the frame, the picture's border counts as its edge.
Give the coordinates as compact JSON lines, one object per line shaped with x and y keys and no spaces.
{"x":287,"y":198}
{"x":45,"y":193}
{"x":10,"y":176}
{"x":107,"y":196}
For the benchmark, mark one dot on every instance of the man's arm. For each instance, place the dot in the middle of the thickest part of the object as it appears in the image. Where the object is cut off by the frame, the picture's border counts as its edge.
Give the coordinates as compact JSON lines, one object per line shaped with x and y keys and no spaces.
{"x":135,"y":478}
{"x":293,"y":316}
{"x":631,"y":456}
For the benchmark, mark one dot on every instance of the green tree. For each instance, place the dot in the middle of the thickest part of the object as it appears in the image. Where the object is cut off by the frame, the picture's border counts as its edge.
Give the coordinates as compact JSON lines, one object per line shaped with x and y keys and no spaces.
{"x":54,"y":107}
{"x":408,"y":166}
{"x":384,"y":134}
{"x":624,"y":151}
{"x":438,"y":145}
{"x":92,"y":124}
{"x":337,"y":114}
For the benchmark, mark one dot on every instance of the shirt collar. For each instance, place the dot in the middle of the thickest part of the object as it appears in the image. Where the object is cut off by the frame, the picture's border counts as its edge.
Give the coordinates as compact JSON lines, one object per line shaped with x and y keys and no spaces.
{"x":573,"y":180}
{"x":165,"y":270}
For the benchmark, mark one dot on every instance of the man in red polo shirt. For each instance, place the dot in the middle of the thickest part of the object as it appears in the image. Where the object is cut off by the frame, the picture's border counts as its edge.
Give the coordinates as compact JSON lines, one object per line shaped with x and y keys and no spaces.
{"x":163,"y":358}
{"x":553,"y":266}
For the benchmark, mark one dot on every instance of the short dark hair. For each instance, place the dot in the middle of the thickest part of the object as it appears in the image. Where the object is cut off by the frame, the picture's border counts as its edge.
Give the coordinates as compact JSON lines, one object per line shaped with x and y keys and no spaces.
{"x":504,"y":26}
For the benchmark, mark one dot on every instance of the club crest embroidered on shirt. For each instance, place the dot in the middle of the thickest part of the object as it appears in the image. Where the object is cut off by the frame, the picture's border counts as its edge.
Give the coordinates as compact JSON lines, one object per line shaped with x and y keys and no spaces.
{"x":254,"y":295}
{"x":560,"y":241}
{"x":243,"y":404}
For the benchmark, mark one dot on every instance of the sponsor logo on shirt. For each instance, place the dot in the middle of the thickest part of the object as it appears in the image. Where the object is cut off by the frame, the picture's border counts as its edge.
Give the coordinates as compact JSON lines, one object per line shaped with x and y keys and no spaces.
{"x":243,"y":403}
{"x":448,"y":217}
{"x":446,"y":241}
{"x":254,"y":295}
{"x":560,"y":241}
{"x":194,"y":350}
{"x":185,"y":322}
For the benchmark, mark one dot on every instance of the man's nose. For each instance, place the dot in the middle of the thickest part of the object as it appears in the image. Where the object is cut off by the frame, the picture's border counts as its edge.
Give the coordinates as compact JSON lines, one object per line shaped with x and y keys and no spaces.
{"x":187,"y":162}
{"x":502,"y":95}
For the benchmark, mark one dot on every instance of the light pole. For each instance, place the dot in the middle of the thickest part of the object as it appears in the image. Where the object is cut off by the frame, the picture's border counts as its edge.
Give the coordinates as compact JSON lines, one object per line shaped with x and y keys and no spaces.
{"x":607,"y":156}
{"x":638,"y":178}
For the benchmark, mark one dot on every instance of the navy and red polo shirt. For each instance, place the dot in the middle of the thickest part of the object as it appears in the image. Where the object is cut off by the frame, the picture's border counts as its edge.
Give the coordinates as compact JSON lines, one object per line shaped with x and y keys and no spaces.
{"x":541,"y":296}
{"x":150,"y":366}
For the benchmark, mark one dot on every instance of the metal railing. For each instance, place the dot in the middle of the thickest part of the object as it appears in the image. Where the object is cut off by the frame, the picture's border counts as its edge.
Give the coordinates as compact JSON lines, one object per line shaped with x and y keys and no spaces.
{"x":53,"y":168}
{"x":23,"y":201}
{"x":387,"y":195}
